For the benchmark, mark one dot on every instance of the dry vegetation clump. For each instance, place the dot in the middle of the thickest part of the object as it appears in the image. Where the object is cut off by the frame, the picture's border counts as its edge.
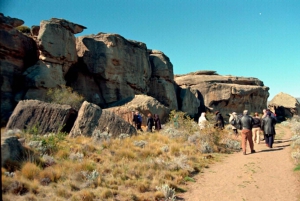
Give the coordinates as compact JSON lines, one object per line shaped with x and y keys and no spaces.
{"x":148,"y":166}
{"x":294,"y":124}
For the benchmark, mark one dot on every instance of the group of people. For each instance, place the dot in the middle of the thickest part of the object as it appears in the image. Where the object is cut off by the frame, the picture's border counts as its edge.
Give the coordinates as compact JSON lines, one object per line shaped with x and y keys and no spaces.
{"x":151,"y":121}
{"x":250,"y":127}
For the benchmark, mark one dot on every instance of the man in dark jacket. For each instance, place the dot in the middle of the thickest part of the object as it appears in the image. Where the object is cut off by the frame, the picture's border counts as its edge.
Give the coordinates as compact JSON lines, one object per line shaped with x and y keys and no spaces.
{"x":268,"y":126}
{"x":219,"y":120}
{"x":246,"y":124}
{"x":137,"y":119}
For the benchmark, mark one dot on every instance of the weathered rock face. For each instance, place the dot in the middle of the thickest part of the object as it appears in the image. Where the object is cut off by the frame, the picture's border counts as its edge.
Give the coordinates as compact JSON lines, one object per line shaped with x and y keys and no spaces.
{"x":145,"y":105}
{"x":188,"y":101}
{"x":17,"y":52}
{"x":57,"y":47}
{"x":227,"y":93}
{"x":46,"y":117}
{"x":92,"y":120}
{"x":116,"y":68}
{"x":284,"y":105}
{"x":56,"y":42}
{"x":162,"y":79}
{"x":11,"y":149}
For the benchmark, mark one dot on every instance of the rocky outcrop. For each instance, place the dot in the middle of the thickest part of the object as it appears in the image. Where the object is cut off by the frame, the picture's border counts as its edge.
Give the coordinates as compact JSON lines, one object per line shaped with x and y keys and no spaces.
{"x":45,"y":117}
{"x":11,"y":149}
{"x":92,"y":120}
{"x":56,"y":42}
{"x":162,"y":79}
{"x":227,"y":93}
{"x":145,"y":105}
{"x":189,"y":102}
{"x":57,"y":47}
{"x":110,"y":69}
{"x":284,"y":105}
{"x":17,"y":52}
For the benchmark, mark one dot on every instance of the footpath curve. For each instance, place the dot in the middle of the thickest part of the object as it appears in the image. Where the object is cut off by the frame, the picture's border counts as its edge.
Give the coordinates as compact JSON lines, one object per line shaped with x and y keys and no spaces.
{"x":264,"y":175}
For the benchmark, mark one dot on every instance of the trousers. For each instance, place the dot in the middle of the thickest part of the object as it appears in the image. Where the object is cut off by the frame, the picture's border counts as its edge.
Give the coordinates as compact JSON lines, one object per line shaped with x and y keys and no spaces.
{"x":255,"y":135}
{"x":247,"y":136}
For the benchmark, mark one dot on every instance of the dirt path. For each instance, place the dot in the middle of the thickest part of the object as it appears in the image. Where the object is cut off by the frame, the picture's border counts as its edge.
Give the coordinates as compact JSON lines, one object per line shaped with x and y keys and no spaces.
{"x":265,"y":175}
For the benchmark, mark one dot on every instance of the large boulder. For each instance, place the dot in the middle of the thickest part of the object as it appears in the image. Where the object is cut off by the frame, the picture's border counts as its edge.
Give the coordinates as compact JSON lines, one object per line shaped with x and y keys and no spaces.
{"x":162,"y":79}
{"x":227,"y":93}
{"x":42,"y":76}
{"x":110,"y":68}
{"x":145,"y":105}
{"x":284,"y":105}
{"x":45,"y":117}
{"x":92,"y":120}
{"x":188,"y":101}
{"x":56,"y":42}
{"x":17,"y":52}
{"x":11,"y":149}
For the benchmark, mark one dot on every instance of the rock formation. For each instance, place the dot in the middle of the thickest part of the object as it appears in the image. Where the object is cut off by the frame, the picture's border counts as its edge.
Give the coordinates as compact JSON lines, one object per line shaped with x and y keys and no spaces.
{"x":144,"y":104}
{"x":17,"y":52}
{"x":11,"y":149}
{"x":226,"y":93}
{"x":45,"y":117}
{"x":162,"y":79}
{"x":109,"y":70}
{"x":284,"y":105}
{"x":92,"y":120}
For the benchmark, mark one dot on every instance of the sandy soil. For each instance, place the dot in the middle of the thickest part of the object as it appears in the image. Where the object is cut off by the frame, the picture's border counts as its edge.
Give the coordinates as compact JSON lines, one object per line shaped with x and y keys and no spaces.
{"x":265,"y":175}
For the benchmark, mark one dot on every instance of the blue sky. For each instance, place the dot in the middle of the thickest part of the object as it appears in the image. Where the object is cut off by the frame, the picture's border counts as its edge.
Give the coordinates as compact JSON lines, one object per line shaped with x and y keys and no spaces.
{"x":250,"y":38}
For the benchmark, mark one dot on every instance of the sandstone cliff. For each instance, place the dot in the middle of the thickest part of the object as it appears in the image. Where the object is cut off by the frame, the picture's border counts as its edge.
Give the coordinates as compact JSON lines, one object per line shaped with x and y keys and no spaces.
{"x":109,"y":70}
{"x":226,"y":93}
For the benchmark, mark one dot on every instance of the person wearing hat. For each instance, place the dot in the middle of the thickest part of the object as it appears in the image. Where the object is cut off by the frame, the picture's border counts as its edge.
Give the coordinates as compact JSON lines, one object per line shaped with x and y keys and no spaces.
{"x":219,"y":120}
{"x":246,"y":125}
{"x":232,"y":117}
{"x":268,"y":126}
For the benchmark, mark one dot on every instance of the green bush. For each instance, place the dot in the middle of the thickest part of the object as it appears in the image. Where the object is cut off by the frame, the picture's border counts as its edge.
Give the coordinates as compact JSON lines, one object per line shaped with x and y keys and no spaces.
{"x":23,"y":29}
{"x":65,"y":96}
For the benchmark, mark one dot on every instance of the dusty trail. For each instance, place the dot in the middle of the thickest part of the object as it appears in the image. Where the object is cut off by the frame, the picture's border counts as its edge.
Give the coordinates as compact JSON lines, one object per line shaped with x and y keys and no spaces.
{"x":265,"y":175}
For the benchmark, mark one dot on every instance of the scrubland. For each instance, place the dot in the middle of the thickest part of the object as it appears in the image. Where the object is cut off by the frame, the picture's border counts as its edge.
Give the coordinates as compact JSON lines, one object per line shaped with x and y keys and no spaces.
{"x":147,"y":166}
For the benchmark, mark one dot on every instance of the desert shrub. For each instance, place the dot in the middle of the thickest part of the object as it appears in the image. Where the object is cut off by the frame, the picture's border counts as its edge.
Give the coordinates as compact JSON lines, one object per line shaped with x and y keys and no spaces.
{"x":83,"y":195}
{"x":23,"y":29}
{"x":30,"y":170}
{"x":169,"y":193}
{"x":66,"y":96}
{"x":51,"y":173}
{"x":296,"y":128}
{"x":181,"y":121}
{"x":106,"y":193}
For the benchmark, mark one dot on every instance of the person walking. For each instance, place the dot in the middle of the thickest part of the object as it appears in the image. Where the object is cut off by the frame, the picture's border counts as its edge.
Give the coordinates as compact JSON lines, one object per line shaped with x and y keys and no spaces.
{"x":150,"y":123}
{"x":264,"y":116}
{"x":219,"y":120}
{"x":256,"y":128}
{"x":137,"y":119}
{"x":268,"y":126}
{"x":234,"y":118}
{"x":157,"y":123}
{"x":246,"y":125}
{"x":202,"y":121}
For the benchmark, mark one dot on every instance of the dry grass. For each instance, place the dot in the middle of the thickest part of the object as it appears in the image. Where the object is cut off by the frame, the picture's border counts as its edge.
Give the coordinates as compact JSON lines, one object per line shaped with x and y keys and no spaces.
{"x":115,"y":169}
{"x":30,"y":171}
